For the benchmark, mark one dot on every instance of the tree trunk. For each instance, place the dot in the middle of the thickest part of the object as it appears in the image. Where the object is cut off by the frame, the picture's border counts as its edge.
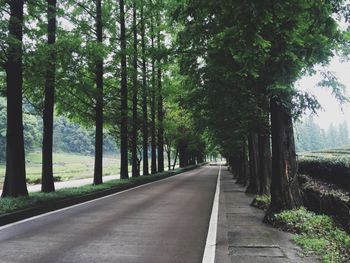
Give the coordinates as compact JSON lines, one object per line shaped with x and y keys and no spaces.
{"x":47,"y":180}
{"x":243,"y":167}
{"x":169,"y":159}
{"x":183,"y":155}
{"x":144,"y":96}
{"x":153,"y":108}
{"x":124,"y":98}
{"x":15,"y":176}
{"x":98,"y":172}
{"x":265,"y":164}
{"x":175,"y":160}
{"x":254,"y":182}
{"x":285,"y":192}
{"x":160,"y":115}
{"x":134,"y":157}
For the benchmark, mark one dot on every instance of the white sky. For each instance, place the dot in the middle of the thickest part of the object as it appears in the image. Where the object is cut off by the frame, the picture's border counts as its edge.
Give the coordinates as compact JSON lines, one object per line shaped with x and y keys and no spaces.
{"x":332,"y":111}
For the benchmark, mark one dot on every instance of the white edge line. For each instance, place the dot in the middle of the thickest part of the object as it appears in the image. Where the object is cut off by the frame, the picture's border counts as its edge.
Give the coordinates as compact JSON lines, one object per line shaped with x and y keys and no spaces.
{"x":210,"y":246}
{"x":80,"y":204}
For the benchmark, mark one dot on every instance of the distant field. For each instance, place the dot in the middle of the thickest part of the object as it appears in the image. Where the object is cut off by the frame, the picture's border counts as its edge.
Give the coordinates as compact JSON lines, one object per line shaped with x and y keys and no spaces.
{"x":330,"y":165}
{"x":66,"y":166}
{"x":343,"y":152}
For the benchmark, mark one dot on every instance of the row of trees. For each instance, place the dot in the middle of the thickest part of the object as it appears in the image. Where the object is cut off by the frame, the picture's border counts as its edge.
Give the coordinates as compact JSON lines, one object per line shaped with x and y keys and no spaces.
{"x":241,"y":59}
{"x":104,"y":65}
{"x":310,"y":136}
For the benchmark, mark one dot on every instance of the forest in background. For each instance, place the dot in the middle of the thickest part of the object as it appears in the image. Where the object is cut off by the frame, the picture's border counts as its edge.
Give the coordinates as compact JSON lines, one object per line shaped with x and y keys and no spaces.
{"x":309,"y":136}
{"x":68,"y":137}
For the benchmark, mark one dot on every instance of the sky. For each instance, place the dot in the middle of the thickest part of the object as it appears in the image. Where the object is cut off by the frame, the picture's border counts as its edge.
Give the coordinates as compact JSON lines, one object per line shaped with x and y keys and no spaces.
{"x":331,"y":111}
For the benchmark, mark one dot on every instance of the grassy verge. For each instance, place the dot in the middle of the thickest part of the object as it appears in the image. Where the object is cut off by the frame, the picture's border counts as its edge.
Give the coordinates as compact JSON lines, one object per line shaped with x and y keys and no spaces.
{"x":8,"y":205}
{"x":316,"y":234}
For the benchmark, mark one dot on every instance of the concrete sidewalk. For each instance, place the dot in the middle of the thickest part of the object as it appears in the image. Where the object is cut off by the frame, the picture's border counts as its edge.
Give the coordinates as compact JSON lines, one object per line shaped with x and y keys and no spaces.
{"x":242,"y":237}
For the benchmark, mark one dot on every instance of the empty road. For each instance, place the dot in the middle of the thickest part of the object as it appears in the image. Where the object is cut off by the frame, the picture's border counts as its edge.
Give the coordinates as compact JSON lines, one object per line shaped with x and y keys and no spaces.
{"x":164,"y":222}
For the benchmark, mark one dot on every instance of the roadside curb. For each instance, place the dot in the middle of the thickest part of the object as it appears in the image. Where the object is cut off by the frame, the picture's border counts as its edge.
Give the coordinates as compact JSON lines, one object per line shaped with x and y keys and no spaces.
{"x":63,"y":203}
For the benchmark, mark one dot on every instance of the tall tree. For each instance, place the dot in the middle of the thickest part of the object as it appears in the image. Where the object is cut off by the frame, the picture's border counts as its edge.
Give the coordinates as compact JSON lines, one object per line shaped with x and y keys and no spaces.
{"x":47,"y":182}
{"x":15,"y":176}
{"x":285,"y":191}
{"x":123,"y":97}
{"x":160,"y":115}
{"x":264,"y":164}
{"x":98,"y":171}
{"x":134,"y":157}
{"x":144,"y":94}
{"x":153,"y":104}
{"x":254,"y":179}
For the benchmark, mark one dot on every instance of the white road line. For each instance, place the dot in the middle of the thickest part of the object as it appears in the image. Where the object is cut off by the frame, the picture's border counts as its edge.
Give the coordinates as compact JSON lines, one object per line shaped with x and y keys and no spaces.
{"x":210,"y":246}
{"x":87,"y":202}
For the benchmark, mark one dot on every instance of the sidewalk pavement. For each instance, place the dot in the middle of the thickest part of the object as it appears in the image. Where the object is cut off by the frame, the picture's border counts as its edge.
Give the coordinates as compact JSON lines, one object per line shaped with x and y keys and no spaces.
{"x":242,"y":237}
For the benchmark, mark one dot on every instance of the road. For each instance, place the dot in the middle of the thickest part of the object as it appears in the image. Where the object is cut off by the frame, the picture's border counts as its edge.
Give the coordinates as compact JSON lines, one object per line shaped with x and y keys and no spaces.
{"x":163,"y":222}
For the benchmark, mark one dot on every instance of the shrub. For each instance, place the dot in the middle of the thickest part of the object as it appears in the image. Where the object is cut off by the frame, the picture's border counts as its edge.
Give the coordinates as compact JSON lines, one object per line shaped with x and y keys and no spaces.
{"x":317,"y":234}
{"x":330,"y":165}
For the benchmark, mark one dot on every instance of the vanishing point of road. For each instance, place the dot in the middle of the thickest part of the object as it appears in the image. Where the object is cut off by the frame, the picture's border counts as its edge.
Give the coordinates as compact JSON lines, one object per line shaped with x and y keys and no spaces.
{"x":163,"y":222}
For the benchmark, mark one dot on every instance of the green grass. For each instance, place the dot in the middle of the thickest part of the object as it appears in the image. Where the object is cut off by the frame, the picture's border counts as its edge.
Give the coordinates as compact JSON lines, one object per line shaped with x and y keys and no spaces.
{"x":66,"y":166}
{"x":317,"y":234}
{"x":36,"y":199}
{"x":262,"y":201}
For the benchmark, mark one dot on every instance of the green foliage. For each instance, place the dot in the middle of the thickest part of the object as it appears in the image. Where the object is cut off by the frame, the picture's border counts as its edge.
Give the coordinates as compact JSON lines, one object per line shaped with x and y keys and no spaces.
{"x":240,"y":54}
{"x":32,"y":130}
{"x":262,"y":202}
{"x":317,"y":234}
{"x":330,"y":165}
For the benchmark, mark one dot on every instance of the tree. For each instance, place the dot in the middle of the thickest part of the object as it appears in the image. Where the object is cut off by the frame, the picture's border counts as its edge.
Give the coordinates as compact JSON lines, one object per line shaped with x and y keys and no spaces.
{"x":236,"y":40}
{"x":15,"y":177}
{"x":123,"y":97}
{"x":153,"y":103}
{"x":98,"y":171}
{"x":144,"y":94}
{"x":254,"y":179}
{"x":134,"y":158}
{"x":160,"y":115}
{"x":47,"y":181}
{"x":343,"y":134}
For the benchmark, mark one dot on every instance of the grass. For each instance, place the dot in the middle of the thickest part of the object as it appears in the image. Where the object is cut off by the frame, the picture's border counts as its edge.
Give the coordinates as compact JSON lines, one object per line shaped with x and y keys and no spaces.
{"x":66,"y":167}
{"x":36,"y":199}
{"x":316,"y":234}
{"x":262,"y":202}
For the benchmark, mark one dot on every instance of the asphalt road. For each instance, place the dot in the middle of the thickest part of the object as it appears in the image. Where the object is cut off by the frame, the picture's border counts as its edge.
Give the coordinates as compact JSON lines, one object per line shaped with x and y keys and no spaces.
{"x":164,"y":222}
